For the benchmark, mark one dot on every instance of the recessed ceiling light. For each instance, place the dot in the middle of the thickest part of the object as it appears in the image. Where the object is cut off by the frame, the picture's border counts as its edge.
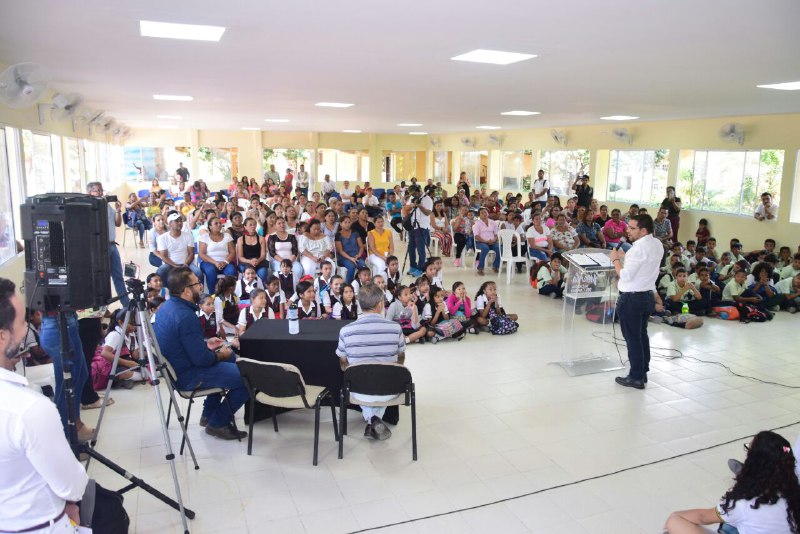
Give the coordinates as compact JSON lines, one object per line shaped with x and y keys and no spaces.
{"x":417,"y":133}
{"x":488,"y":127}
{"x":351,"y":131}
{"x":411,"y":124}
{"x":173,"y":117}
{"x":618,"y":118}
{"x":495,"y":57}
{"x":250,"y":128}
{"x":333,"y":104}
{"x":518,"y":113}
{"x":177,"y":98}
{"x":786,"y":86}
{"x":171,"y":30}
{"x":276,"y":120}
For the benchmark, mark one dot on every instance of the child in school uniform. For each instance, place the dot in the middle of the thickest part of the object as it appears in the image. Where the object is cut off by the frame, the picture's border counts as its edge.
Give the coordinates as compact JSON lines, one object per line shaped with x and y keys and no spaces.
{"x":128,"y":372}
{"x":307,"y":306}
{"x":668,"y":279}
{"x":724,"y":270}
{"x":347,"y":307}
{"x":333,"y":295}
{"x":388,"y":297}
{"x":322,"y":283}
{"x":784,"y":258}
{"x":682,"y":291}
{"x":703,"y":233}
{"x":404,"y":312}
{"x":487,"y":303}
{"x":550,"y":278}
{"x":711,"y":250}
{"x":459,"y":306}
{"x":276,"y":299}
{"x":254,"y":311}
{"x":437,"y":309}
{"x":208,"y":317}
{"x":286,"y":279}
{"x":363,"y":276}
{"x":430,"y":273}
{"x":392,"y":274}
{"x":154,"y":281}
{"x":226,"y":306}
{"x":246,"y":285}
{"x":422,"y":288}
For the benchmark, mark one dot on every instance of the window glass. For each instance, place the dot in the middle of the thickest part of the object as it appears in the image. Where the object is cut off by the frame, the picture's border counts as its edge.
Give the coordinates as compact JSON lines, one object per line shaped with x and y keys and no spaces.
{"x":516,"y":167}
{"x":72,"y":164}
{"x":8,"y":247}
{"x":562,"y":166}
{"x":441,"y":166}
{"x":638,"y":176}
{"x":37,"y":150}
{"x":289,"y":158}
{"x":476,"y":165}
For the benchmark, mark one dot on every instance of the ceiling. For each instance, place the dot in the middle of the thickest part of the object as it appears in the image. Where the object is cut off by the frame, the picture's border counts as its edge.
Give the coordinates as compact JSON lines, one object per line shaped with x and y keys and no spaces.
{"x":656,"y":59}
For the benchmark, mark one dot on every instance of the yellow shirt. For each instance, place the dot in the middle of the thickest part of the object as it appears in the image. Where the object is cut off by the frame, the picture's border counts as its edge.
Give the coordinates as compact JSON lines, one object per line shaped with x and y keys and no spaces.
{"x":381,"y":242}
{"x":186,"y":208}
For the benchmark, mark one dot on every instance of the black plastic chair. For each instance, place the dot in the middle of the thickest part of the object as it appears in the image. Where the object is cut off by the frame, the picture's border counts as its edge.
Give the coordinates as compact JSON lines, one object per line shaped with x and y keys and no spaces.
{"x":378,"y":379}
{"x":281,"y":385}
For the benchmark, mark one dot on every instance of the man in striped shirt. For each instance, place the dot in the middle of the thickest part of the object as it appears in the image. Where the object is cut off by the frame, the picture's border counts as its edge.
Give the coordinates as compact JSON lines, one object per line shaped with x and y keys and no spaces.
{"x":371,"y":339}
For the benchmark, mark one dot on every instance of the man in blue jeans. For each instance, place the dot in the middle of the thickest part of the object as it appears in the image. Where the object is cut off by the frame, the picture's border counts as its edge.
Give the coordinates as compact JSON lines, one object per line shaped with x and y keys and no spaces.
{"x":420,"y":206}
{"x":199,"y":363}
{"x":114,"y":219}
{"x":637,"y":270}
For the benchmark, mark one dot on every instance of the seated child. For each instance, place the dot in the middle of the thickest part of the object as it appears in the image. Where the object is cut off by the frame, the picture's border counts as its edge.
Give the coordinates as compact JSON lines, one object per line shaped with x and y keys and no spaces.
{"x":700,"y":259}
{"x":710,"y":291}
{"x":487,"y":304}
{"x":346,"y":308}
{"x":226,"y":306}
{"x":254,"y":311}
{"x":792,"y":270}
{"x":437,"y":310}
{"x":550,"y":278}
{"x":276,"y":299}
{"x":31,"y":349}
{"x":460,"y":307}
{"x":208,"y":317}
{"x":682,"y":291}
{"x":430,"y":272}
{"x":322,"y":283}
{"x":437,"y":279}
{"x":736,"y":291}
{"x":128,"y":370}
{"x":711,"y":249}
{"x":422,"y":289}
{"x":392,"y":274}
{"x":790,"y":289}
{"x":379,"y":281}
{"x":667,"y":279}
{"x":154,"y":281}
{"x":153,"y":304}
{"x":333,"y":295}
{"x":307,"y":307}
{"x":246,"y":285}
{"x":724,"y":269}
{"x":784,"y":258}
{"x":363,"y":276}
{"x":286,"y":279}
{"x":404,"y":311}
{"x":764,"y":288}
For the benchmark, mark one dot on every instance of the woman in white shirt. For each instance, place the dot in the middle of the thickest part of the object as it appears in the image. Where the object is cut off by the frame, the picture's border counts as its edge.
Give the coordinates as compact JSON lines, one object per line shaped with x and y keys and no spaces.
{"x":540,"y":244}
{"x":159,"y":227}
{"x":216,"y":253}
{"x":765,"y":498}
{"x":314,"y":248}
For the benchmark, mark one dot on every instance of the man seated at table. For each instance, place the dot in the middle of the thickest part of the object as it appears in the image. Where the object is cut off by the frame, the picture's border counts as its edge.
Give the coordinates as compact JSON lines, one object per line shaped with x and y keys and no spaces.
{"x":371,"y":339}
{"x":208,"y":364}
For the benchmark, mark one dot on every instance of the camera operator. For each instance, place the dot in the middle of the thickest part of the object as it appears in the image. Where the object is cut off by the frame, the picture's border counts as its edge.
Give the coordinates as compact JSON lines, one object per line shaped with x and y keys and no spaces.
{"x":419,"y":206}
{"x":42,"y":480}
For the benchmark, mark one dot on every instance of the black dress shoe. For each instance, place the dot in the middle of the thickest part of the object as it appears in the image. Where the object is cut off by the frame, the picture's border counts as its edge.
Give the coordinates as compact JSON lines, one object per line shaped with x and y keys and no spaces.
{"x":629,"y":382}
{"x":227,"y":433}
{"x":379,"y":429}
{"x":368,"y":431}
{"x":204,"y":421}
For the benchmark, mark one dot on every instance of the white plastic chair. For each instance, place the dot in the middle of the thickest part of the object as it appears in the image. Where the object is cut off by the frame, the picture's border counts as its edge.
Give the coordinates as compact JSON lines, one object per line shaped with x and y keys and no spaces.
{"x":506,"y":252}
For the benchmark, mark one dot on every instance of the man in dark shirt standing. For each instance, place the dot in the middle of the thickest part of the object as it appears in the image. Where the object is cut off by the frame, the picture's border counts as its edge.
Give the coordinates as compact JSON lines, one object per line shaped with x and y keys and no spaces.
{"x":583,"y":190}
{"x":195,"y":361}
{"x":183,"y":175}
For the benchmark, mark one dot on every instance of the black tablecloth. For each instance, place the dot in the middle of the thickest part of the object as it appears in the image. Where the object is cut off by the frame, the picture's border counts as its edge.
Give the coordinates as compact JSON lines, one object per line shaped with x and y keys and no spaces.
{"x":313,"y":351}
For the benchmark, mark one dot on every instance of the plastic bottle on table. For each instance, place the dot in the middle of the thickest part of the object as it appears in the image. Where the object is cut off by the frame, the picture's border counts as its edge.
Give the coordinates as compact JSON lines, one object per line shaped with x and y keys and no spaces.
{"x":294,"y":323}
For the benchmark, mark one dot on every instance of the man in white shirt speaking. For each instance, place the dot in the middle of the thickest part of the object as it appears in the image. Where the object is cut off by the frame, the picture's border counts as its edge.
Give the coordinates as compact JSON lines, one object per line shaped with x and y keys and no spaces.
{"x":42,"y":480}
{"x":637,"y":270}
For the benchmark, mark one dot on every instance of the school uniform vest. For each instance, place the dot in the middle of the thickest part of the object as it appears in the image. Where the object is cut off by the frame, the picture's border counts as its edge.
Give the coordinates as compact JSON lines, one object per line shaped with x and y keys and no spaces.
{"x":274,"y":304}
{"x":287,"y":284}
{"x":350,"y":312}
{"x":209,"y":325}
{"x":310,"y":314}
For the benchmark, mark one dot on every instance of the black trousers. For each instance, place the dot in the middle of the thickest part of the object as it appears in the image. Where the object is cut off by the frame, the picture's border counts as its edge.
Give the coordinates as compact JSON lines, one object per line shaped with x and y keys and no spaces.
{"x":91,"y":333}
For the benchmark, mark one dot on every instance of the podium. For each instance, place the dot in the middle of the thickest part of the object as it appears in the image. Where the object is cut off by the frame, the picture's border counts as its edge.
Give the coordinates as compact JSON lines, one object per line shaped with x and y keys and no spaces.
{"x":590,"y":293}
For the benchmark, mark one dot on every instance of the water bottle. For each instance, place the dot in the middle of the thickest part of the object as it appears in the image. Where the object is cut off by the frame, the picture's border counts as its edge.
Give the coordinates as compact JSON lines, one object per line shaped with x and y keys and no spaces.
{"x":294,"y":324}
{"x":684,"y":309}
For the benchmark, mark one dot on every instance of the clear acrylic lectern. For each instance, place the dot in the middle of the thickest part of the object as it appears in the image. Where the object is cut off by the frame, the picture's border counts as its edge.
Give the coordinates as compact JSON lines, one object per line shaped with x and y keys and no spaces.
{"x":590,"y":292}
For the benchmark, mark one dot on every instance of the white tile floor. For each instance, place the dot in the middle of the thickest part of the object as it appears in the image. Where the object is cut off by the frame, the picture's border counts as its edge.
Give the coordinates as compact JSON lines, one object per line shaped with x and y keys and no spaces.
{"x":503,"y":437}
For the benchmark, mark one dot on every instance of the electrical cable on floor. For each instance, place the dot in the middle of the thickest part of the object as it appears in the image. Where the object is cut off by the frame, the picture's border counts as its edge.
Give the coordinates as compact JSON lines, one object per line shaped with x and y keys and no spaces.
{"x":573,"y":483}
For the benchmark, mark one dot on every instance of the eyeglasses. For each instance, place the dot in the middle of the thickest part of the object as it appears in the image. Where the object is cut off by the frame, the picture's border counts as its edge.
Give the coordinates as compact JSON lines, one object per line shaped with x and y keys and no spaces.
{"x":195,"y":284}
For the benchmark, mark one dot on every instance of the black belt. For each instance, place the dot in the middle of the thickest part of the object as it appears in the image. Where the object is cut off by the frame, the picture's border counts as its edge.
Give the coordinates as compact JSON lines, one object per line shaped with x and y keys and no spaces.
{"x":634,"y":292}
{"x":39,"y":526}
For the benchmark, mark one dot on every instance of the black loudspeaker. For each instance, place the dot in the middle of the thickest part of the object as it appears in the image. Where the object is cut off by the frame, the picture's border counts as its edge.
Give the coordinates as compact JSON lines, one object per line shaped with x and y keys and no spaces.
{"x":66,"y":251}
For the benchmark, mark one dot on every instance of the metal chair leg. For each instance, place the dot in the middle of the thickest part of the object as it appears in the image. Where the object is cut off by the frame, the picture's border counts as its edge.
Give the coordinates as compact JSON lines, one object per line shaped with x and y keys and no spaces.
{"x":342,"y":422}
{"x":316,"y":430}
{"x":169,"y":411}
{"x":413,"y":425}
{"x":274,"y":418}
{"x":333,"y":418}
{"x":252,"y":420}
{"x":188,"y":414}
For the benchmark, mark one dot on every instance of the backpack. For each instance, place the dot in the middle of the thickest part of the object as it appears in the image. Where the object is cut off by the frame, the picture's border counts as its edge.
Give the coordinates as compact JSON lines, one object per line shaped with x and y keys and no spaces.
{"x":449,"y":328}
{"x":748,"y":313}
{"x":600,"y":313}
{"x":501,"y":325}
{"x":534,"y":273}
{"x":728,"y":313}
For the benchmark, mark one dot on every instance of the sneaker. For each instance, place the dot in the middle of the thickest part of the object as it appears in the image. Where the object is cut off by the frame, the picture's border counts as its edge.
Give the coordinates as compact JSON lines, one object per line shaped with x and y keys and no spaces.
{"x":368,"y":431}
{"x":792,"y":309}
{"x":775,"y":309}
{"x":434,"y":339}
{"x":122,"y":384}
{"x":735,"y":466}
{"x":457,"y":263}
{"x":379,"y":429}
{"x":203,"y":421}
{"x":472,"y":330}
{"x":553,"y":296}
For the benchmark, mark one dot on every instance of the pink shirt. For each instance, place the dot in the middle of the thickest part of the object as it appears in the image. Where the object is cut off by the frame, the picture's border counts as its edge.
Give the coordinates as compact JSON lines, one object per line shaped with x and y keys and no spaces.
{"x":485,"y":231}
{"x":618,"y":227}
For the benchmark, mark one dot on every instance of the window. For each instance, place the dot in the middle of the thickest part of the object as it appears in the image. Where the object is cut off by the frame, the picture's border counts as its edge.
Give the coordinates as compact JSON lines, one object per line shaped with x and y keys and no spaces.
{"x":476,"y":165}
{"x":398,"y":166}
{"x":562,"y":166}
{"x":729,"y":181}
{"x":290,"y":158}
{"x":341,"y":165}
{"x":143,"y":164}
{"x":72,"y":165}
{"x":516,"y":166}
{"x":638,"y":176}
{"x":8,"y":246}
{"x":442,"y":162}
{"x":40,"y":176}
{"x":218,"y":164}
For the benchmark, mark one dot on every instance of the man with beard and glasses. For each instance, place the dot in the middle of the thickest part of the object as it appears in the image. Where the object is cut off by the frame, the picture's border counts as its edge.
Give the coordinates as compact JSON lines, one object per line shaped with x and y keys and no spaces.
{"x":209,"y":362}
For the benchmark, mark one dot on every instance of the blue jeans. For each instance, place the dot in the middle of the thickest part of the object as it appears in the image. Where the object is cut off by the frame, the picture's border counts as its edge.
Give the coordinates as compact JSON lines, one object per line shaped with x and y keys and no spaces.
{"x":220,"y":375}
{"x":418,"y":239}
{"x":212,"y":273}
{"x":297,"y":269}
{"x":164,"y":270}
{"x":484,"y":249}
{"x":549,"y":289}
{"x":115,"y":262}
{"x":262,"y":270}
{"x":304,"y":190}
{"x":50,"y":339}
{"x":154,"y":260}
{"x":351,"y":267}
{"x":141,"y":226}
{"x":633,"y":310}
{"x":537,"y":254}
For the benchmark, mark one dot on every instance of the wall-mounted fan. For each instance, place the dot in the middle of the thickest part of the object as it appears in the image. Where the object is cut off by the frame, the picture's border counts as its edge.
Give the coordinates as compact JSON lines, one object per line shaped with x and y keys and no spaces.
{"x":121,"y":133}
{"x":21,"y":85}
{"x":495,"y":140}
{"x":623,"y":135}
{"x":469,"y":142}
{"x":559,"y":136}
{"x":106,"y":124}
{"x":435,"y":142}
{"x":62,"y":108}
{"x":732,"y":132}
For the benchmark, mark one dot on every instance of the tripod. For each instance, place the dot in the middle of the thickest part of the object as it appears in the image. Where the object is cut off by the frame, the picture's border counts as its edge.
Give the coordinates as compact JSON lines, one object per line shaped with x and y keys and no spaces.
{"x":414,"y":226}
{"x":150,"y":359}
